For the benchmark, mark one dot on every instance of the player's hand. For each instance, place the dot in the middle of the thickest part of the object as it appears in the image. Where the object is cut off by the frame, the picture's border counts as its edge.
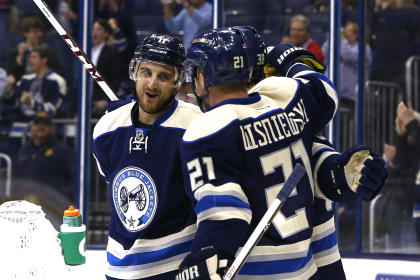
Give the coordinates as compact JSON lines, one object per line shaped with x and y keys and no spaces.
{"x":284,"y":56}
{"x":205,"y":265}
{"x":364,"y":172}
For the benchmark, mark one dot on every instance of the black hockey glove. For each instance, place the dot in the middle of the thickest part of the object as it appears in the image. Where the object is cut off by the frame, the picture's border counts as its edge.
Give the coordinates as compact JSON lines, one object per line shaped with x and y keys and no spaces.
{"x":283,"y":56}
{"x":356,"y":171}
{"x":205,"y":265}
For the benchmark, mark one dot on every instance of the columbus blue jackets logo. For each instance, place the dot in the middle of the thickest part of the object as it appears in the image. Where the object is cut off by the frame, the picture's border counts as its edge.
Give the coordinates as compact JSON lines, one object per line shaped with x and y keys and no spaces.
{"x":135,"y":198}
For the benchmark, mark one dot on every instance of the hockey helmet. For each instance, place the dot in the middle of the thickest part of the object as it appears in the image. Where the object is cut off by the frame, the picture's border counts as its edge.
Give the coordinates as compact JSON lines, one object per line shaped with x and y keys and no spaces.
{"x":257,"y":50}
{"x":223,"y":55}
{"x":162,"y":49}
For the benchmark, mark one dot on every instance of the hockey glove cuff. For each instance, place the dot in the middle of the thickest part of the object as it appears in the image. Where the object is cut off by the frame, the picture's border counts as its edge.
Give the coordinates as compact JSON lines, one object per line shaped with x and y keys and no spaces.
{"x":205,"y":265}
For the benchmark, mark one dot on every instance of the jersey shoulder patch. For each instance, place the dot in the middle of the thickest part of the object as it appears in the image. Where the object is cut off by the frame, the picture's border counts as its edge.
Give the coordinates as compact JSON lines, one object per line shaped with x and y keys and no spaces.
{"x":120,"y":117}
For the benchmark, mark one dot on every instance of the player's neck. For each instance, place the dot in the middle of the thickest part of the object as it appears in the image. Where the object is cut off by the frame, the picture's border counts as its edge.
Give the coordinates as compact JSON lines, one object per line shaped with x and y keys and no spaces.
{"x":218,"y":95}
{"x":147,"y":118}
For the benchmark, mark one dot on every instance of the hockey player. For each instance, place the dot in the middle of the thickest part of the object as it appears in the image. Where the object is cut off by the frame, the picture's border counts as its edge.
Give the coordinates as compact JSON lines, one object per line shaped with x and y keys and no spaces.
{"x":325,"y":157}
{"x":137,"y":150}
{"x":237,"y":155}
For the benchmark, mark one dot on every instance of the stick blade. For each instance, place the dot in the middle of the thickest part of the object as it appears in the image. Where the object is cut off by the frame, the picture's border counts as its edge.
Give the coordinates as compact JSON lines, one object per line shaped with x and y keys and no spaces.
{"x":291,"y":182}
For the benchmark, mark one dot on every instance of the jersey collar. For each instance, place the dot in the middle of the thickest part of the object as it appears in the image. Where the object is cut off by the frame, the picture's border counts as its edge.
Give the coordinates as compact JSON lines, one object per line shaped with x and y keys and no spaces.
{"x":252,"y":98}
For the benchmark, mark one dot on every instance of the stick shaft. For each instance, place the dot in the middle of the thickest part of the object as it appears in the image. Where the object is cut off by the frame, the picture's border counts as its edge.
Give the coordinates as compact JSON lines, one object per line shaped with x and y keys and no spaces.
{"x":87,"y":63}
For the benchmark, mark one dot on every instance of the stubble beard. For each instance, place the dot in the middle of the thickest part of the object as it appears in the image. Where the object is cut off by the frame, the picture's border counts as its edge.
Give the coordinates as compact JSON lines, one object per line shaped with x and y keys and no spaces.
{"x":157,"y":107}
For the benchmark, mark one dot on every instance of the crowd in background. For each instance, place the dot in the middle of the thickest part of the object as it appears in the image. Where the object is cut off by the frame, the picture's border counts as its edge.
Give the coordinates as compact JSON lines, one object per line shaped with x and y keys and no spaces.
{"x":38,"y":73}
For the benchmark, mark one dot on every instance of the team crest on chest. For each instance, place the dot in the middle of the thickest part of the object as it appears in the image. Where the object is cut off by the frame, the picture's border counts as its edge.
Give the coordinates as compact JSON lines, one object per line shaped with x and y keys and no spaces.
{"x":135,"y":198}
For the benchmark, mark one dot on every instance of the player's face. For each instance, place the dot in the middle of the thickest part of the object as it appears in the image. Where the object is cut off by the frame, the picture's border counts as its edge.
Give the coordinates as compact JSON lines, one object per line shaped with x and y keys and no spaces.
{"x":298,"y":33}
{"x":155,"y":86}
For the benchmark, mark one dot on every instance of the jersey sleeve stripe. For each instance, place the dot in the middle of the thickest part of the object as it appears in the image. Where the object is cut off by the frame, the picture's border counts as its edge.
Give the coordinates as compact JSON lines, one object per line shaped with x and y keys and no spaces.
{"x":145,"y":271}
{"x":149,"y":245}
{"x":225,"y":213}
{"x":209,"y":202}
{"x":230,"y":188}
{"x":150,"y":257}
{"x":286,"y":269}
{"x":324,"y":244}
{"x":323,"y":230}
{"x":327,"y":257}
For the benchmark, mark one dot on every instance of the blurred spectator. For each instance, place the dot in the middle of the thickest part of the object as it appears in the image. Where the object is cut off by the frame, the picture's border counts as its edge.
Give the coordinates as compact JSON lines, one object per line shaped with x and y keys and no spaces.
{"x":66,"y":15}
{"x":45,"y":168}
{"x":300,"y":35}
{"x":42,"y":90}
{"x":349,"y":69}
{"x":120,"y":14}
{"x":46,"y":160}
{"x":8,"y":26}
{"x":108,"y":61}
{"x":195,"y":17}
{"x":403,"y":165}
{"x":3,"y":81}
{"x":18,"y":64}
{"x":395,"y":37}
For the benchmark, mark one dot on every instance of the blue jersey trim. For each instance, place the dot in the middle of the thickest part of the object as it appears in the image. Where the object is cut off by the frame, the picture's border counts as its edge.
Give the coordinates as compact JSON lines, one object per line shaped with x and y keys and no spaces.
{"x":252,"y":98}
{"x":211,"y":201}
{"x":150,"y":257}
{"x":325,"y":243}
{"x":275,"y":267}
{"x":167,"y":114}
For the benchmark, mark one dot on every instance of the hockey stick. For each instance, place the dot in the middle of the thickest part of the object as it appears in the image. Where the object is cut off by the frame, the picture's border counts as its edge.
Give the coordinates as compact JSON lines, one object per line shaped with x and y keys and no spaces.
{"x":266,"y":221}
{"x":76,"y":49}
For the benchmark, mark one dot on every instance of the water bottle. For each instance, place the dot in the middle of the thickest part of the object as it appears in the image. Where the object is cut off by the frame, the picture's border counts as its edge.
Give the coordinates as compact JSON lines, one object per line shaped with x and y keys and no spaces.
{"x":73,"y":237}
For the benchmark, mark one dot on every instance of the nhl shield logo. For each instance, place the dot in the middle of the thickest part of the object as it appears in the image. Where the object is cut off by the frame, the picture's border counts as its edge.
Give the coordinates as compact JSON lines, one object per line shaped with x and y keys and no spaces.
{"x":135,"y":198}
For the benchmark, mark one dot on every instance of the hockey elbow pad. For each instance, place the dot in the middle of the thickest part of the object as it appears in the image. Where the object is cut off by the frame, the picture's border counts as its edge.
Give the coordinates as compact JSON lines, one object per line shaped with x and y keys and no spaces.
{"x":283,"y":56}
{"x":356,"y":172}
